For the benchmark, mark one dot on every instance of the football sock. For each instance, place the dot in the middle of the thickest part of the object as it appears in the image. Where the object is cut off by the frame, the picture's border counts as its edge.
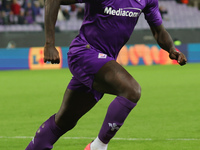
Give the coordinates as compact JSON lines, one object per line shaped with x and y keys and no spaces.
{"x":117,"y":112}
{"x":46,"y":136}
{"x":98,"y":145}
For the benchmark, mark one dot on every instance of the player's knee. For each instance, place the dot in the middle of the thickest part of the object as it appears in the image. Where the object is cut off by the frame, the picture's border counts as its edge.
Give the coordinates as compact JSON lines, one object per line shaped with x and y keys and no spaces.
{"x":133,"y":93}
{"x":65,"y":124}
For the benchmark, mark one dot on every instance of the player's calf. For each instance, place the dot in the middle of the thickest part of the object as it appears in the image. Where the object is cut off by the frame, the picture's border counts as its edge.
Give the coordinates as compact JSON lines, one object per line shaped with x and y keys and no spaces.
{"x":46,"y":136}
{"x":117,"y":112}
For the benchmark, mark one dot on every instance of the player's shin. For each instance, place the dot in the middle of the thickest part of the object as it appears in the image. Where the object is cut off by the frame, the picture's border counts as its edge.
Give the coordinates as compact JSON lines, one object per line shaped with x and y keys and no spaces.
{"x":46,"y":135}
{"x":116,"y":114}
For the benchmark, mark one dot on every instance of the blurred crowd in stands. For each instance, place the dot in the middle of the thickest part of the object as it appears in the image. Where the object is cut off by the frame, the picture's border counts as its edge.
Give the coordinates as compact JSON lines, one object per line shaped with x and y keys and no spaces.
{"x":193,"y":3}
{"x":27,"y":11}
{"x":19,"y":11}
{"x":32,"y":11}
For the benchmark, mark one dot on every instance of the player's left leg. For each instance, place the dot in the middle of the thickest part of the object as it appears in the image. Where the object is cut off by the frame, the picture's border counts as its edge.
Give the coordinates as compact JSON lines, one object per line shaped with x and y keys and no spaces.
{"x":75,"y":105}
{"x":112,"y":78}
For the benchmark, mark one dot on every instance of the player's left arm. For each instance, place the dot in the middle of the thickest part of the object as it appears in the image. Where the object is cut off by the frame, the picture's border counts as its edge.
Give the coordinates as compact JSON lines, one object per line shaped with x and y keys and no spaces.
{"x":154,"y":19}
{"x":165,"y":41}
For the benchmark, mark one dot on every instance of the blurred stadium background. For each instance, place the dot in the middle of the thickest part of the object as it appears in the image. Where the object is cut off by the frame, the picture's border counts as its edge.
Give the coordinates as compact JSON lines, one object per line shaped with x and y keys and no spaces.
{"x":160,"y":122}
{"x":23,"y":21}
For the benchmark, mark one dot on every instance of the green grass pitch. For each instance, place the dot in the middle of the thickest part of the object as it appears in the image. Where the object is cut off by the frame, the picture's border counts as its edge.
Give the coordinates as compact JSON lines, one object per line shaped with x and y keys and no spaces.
{"x":166,"y":118}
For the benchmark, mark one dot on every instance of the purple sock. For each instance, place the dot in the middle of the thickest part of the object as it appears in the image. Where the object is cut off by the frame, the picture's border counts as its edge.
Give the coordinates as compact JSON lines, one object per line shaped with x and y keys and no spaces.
{"x":46,"y":136}
{"x":117,"y":112}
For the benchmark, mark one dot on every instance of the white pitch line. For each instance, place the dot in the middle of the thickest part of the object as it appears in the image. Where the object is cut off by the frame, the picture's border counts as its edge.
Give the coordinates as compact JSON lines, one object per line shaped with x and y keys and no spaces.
{"x":179,"y":139}
{"x":120,"y":139}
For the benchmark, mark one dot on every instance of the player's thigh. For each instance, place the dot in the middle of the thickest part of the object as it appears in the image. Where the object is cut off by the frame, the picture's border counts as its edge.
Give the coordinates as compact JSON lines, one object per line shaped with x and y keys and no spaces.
{"x":112,"y":78}
{"x":75,"y":104}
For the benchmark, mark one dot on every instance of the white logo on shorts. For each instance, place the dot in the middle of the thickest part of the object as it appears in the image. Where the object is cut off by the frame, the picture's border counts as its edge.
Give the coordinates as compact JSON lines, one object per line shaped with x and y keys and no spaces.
{"x":101,"y":55}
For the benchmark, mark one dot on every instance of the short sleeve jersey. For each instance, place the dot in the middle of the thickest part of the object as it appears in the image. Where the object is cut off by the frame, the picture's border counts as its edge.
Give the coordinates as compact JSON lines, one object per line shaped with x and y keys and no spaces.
{"x":108,"y":24}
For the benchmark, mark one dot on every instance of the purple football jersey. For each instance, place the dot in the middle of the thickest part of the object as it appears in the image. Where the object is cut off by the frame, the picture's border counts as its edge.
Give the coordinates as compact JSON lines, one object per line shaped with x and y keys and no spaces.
{"x":108,"y":24}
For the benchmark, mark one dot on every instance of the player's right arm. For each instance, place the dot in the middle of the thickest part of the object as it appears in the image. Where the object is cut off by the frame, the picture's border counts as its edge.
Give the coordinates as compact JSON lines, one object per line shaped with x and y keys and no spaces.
{"x":51,"y":13}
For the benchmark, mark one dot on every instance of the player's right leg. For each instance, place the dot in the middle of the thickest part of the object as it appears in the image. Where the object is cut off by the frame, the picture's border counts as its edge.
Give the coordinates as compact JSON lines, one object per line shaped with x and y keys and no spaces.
{"x":75,"y":105}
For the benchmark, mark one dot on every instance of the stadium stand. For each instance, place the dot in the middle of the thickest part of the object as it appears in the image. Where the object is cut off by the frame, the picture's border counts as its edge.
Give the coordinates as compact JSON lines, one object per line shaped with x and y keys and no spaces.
{"x":178,"y":15}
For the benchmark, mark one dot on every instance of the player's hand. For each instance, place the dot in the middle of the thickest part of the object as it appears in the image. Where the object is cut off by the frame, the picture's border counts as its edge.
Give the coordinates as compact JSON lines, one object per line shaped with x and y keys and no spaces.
{"x":180,"y":57}
{"x":51,"y":54}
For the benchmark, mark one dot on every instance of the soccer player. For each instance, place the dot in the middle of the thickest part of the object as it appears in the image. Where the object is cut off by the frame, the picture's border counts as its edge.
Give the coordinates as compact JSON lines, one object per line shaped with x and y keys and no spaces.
{"x":106,"y":27}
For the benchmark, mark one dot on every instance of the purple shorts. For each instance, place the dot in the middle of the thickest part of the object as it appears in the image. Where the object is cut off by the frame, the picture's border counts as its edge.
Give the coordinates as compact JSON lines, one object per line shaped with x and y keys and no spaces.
{"x":84,"y":62}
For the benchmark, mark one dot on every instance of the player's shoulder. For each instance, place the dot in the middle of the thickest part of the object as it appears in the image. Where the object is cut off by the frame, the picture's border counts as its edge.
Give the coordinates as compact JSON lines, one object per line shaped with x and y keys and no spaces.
{"x":151,"y":2}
